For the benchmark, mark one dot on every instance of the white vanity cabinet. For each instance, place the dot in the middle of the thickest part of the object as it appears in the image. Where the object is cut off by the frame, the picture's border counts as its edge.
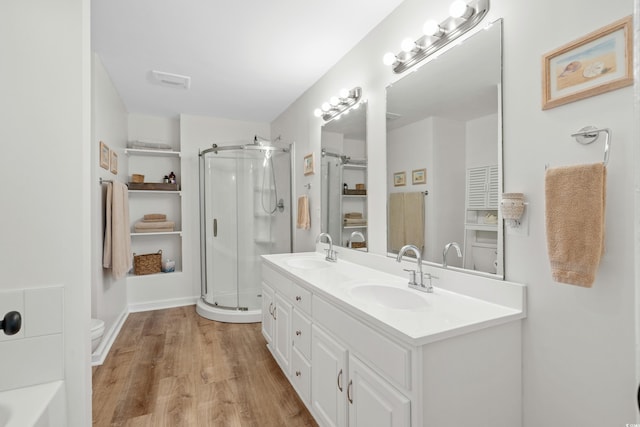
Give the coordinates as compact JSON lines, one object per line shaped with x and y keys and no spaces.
{"x":351,"y":369}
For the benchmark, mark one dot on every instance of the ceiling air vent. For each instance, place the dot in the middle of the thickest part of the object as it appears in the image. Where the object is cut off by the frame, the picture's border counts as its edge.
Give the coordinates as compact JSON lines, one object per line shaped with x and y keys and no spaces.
{"x":171,"y":80}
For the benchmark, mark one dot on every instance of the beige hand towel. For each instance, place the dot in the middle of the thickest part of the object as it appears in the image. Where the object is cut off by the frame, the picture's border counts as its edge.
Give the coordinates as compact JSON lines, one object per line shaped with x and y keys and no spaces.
{"x":155,"y":217}
{"x":117,"y":242}
{"x":414,"y":219}
{"x":154,"y":224}
{"x":396,"y":221}
{"x":304,"y":218}
{"x":575,"y":213}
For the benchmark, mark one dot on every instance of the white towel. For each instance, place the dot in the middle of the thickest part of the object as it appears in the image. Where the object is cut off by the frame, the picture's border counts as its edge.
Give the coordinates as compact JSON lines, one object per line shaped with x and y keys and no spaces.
{"x":117,"y":238}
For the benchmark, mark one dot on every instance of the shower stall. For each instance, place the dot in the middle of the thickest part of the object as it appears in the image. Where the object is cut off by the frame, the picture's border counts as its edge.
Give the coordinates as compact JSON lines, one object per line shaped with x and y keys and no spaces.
{"x":245,"y":212}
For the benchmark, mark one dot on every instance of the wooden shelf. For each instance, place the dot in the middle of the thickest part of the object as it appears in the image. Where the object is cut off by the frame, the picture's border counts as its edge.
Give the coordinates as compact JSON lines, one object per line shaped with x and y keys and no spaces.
{"x":178,"y":192}
{"x":354,"y":196}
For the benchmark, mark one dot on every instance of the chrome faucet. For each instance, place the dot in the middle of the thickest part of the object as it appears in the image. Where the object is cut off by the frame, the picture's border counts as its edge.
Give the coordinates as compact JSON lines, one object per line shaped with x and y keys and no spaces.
{"x":354,"y":234}
{"x":446,"y":250}
{"x":412,"y":273}
{"x":331,"y":254}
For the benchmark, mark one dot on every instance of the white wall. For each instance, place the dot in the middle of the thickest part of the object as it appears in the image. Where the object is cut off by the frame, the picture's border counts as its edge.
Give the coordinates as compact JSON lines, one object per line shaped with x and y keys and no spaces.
{"x":109,"y":124}
{"x":45,"y":132}
{"x":578,"y":344}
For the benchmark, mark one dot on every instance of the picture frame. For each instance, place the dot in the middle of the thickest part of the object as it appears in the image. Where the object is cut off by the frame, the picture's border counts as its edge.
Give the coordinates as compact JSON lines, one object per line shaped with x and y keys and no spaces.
{"x":399,"y":179}
{"x":419,"y":176}
{"x":599,"y":62}
{"x":309,"y":164}
{"x":104,"y":155}
{"x":113,"y":162}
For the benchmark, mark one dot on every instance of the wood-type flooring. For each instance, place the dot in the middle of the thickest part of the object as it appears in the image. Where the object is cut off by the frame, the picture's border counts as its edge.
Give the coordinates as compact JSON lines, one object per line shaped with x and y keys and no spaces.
{"x":173,"y":368}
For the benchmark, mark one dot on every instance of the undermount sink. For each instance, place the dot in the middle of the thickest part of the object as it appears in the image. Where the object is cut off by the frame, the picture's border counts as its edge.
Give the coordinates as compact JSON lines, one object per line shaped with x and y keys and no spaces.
{"x":388,"y":296}
{"x":308,"y":263}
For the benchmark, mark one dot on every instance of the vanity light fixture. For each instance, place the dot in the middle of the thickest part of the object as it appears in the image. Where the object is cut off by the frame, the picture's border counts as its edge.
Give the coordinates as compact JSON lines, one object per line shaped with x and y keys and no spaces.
{"x":341,"y":104}
{"x":463,"y":17}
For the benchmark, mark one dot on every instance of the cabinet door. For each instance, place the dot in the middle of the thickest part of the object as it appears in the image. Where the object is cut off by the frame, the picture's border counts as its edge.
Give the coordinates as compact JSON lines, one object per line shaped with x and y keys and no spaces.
{"x":282,"y":333}
{"x":374,"y":402}
{"x":328,"y":379}
{"x":268,"y":305}
{"x":476,"y":188}
{"x":493,"y":196}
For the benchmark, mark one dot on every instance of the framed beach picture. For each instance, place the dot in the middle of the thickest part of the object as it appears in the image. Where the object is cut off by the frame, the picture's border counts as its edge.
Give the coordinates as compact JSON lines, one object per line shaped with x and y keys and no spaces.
{"x":419,"y":176}
{"x":594,"y":64}
{"x":308,"y":164}
{"x":104,"y":155}
{"x":113,"y":162}
{"x":399,"y":179}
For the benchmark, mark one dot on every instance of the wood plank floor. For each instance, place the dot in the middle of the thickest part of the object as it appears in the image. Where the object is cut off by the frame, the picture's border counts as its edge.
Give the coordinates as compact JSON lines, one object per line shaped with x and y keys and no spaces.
{"x":173,"y":368}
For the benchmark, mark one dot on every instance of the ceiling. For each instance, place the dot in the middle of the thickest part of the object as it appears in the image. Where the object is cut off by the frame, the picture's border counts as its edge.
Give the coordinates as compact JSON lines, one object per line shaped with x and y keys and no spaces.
{"x":247,"y":59}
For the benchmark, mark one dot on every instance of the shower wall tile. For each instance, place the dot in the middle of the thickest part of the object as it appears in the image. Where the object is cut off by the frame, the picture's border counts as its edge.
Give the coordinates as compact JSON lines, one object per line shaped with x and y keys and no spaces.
{"x":43,"y":311}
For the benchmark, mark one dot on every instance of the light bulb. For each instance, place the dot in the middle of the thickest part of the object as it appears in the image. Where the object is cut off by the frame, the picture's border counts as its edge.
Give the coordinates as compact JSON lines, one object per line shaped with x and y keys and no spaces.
{"x":407,"y":45}
{"x":432,"y":28}
{"x":317,"y":112}
{"x":325,"y":106}
{"x":334,"y":100}
{"x":389,"y":58}
{"x":344,"y":93}
{"x":459,"y":9}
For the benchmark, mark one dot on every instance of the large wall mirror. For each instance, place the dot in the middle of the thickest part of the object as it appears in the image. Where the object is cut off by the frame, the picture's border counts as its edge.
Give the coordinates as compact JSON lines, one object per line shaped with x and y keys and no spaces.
{"x":344,"y":179}
{"x":444,"y":156}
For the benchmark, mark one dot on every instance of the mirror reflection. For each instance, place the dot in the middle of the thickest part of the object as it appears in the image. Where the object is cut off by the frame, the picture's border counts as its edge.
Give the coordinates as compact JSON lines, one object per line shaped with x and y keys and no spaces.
{"x":444,"y":145}
{"x":344,"y":178}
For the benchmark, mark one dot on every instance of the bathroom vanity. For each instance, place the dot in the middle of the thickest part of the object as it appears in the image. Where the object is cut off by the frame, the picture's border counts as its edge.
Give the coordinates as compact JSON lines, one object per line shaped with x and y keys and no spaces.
{"x":362,"y":349}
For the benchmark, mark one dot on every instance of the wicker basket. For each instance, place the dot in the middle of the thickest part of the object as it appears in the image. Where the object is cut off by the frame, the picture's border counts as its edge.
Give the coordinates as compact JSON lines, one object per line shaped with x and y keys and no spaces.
{"x":137,"y":178}
{"x":147,"y":263}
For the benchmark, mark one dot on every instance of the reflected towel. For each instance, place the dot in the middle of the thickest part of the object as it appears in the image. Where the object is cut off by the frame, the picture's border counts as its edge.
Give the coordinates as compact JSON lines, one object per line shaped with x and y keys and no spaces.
{"x":155,"y":217}
{"x":396,"y":221}
{"x":117,"y":240}
{"x":414,"y":219}
{"x":304,"y":218}
{"x":140,"y":225}
{"x":575,"y":210}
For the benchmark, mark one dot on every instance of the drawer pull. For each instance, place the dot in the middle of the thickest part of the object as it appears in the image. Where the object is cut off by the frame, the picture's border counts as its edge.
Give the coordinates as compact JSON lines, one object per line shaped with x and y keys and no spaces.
{"x":275,"y":315}
{"x":349,"y":387}
{"x":271,"y":309}
{"x":298,"y":298}
{"x":298,"y":333}
{"x":340,"y":380}
{"x":298,"y":373}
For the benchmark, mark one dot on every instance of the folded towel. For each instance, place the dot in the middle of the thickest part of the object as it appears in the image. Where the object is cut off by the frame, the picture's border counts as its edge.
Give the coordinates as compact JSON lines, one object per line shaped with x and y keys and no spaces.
{"x":153,"y":217}
{"x":154,"y":224}
{"x":354,"y":221}
{"x":152,"y":230}
{"x":353,"y":215}
{"x":575,"y":210}
{"x":304,"y":218}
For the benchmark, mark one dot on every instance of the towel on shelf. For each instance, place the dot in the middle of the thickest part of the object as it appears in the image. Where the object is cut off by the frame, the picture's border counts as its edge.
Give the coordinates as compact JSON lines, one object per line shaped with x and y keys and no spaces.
{"x":354,"y":221}
{"x":154,"y":224}
{"x":396,"y":221}
{"x":350,"y":215}
{"x":154,"y":217}
{"x":575,"y":199}
{"x":153,"y":230}
{"x":414,"y":219}
{"x":304,"y":218}
{"x":117,"y":238}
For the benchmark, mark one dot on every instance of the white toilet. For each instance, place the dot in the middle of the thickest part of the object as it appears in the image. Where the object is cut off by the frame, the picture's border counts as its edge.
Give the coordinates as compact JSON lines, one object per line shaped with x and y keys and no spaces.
{"x":97,"y":330}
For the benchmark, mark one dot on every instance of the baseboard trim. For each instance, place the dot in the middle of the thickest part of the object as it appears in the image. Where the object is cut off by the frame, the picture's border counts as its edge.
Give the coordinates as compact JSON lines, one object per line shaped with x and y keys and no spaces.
{"x":162,"y":304}
{"x":97,"y":358}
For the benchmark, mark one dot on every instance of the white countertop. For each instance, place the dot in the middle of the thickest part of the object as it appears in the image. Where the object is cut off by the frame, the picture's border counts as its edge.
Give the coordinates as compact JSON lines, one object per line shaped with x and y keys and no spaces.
{"x":435,"y":316}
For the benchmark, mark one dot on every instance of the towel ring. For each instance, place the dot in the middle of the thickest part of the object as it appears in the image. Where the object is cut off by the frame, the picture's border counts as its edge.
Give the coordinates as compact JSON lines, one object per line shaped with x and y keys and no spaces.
{"x":590,"y":134}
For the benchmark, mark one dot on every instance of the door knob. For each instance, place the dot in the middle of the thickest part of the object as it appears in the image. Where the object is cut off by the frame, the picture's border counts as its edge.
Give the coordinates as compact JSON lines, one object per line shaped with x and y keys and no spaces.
{"x":11,"y":323}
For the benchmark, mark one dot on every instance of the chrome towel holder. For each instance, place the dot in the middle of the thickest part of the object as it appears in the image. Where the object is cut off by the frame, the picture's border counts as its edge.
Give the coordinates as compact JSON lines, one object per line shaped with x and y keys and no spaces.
{"x":590,"y":134}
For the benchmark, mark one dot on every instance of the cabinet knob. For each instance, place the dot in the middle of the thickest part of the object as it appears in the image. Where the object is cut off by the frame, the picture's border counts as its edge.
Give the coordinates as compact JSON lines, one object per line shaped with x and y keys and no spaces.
{"x":298,"y":333}
{"x":298,"y":373}
{"x":11,"y":323}
{"x":298,"y":298}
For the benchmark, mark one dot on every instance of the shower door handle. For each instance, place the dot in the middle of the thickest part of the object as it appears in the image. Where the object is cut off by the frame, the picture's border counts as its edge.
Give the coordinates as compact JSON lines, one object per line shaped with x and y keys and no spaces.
{"x":215,"y":227}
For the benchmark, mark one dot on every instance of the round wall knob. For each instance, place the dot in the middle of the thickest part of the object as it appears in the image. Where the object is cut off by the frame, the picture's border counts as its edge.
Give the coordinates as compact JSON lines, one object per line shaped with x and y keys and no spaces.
{"x":11,"y":323}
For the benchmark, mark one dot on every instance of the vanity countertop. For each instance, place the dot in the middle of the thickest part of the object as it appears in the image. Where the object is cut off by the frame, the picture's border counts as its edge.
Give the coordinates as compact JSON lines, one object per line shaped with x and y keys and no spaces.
{"x":416,"y":318}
